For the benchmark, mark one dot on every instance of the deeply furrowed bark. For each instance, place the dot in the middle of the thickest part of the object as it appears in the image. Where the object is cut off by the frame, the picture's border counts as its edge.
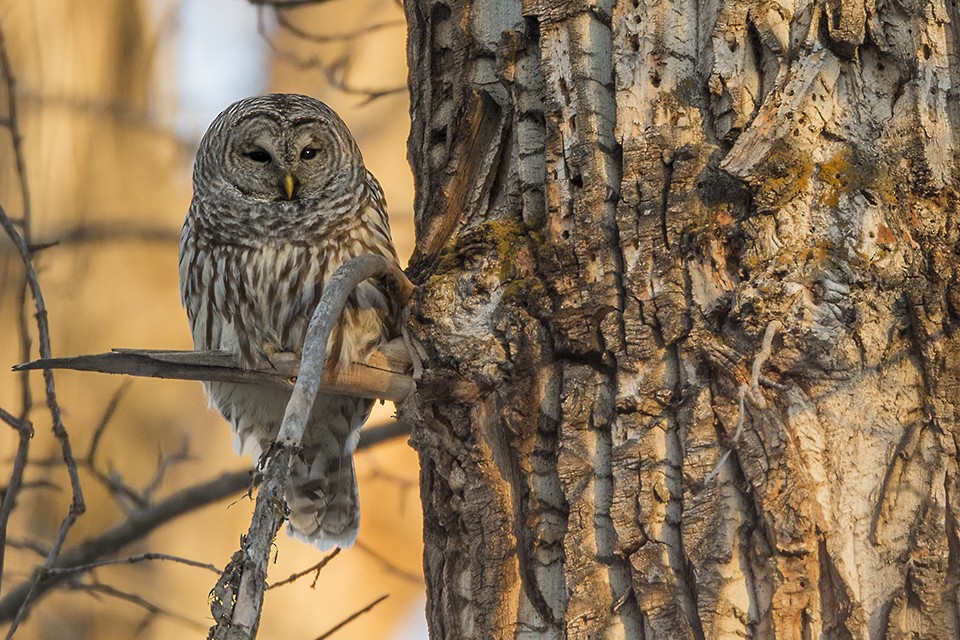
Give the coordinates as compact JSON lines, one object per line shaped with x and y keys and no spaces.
{"x":653,"y":233}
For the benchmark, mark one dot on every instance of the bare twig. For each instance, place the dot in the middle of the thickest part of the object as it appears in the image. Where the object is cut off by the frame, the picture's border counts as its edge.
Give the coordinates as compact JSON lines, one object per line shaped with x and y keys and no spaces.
{"x":143,"y":557}
{"x":352,"y":617}
{"x":105,"y":418}
{"x":164,"y":463}
{"x":91,"y":233}
{"x":21,"y":424}
{"x":293,"y":577}
{"x":237,"y":599}
{"x":10,"y":419}
{"x":12,"y":124}
{"x":21,"y":242}
{"x":136,"y":527}
{"x":323,"y":38}
{"x":335,"y":72}
{"x":376,"y":435}
{"x":31,"y":545}
{"x":25,"y":432}
{"x":385,"y":375}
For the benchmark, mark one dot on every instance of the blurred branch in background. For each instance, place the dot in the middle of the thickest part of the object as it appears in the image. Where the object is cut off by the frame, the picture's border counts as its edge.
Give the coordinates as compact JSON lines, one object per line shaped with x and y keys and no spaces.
{"x":22,"y":241}
{"x":352,"y":617}
{"x":143,"y":520}
{"x":337,"y":71}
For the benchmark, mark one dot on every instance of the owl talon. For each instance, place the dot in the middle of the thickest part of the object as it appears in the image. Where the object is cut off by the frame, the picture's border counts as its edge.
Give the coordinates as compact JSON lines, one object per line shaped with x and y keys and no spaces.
{"x":267,"y":352}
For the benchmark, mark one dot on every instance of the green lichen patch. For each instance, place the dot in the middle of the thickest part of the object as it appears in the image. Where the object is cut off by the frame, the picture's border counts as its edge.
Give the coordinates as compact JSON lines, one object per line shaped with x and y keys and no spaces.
{"x":785,"y":174}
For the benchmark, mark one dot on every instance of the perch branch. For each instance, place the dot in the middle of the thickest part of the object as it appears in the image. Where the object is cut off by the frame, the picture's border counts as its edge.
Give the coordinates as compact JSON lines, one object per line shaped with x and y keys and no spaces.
{"x":237,"y":598}
{"x":385,"y":375}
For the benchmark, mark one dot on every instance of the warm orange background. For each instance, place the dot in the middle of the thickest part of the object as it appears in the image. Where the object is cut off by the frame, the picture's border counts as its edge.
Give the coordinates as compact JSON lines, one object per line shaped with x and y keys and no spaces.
{"x":105,"y":162}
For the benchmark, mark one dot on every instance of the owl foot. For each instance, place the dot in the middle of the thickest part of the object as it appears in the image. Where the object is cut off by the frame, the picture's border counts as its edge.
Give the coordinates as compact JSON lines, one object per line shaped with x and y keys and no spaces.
{"x":267,"y":352}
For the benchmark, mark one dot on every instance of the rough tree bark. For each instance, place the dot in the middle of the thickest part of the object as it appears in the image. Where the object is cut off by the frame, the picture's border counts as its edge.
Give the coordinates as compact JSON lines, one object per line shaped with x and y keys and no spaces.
{"x":650,"y":234}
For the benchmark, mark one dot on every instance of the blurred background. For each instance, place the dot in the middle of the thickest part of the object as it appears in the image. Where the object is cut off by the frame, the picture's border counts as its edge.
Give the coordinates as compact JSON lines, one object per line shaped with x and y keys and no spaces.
{"x":112,"y":98}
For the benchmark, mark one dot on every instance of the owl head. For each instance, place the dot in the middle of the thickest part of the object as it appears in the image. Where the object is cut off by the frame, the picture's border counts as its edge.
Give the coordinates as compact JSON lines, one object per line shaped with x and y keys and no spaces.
{"x":278,"y":148}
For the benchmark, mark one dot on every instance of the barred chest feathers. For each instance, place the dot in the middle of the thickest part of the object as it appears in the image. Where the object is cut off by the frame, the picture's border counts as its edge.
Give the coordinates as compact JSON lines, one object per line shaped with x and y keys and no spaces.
{"x":259,"y":299}
{"x":282,"y":199}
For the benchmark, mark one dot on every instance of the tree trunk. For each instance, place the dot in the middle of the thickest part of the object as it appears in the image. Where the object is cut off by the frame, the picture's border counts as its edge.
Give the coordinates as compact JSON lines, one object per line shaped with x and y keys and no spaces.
{"x":688,"y":303}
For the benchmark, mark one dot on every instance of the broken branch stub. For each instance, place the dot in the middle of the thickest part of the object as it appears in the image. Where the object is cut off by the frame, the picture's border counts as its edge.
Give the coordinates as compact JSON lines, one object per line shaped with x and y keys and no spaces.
{"x":384,"y":376}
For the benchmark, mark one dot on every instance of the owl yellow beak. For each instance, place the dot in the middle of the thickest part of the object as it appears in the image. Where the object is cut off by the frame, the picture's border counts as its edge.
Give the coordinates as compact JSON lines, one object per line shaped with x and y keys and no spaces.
{"x":289,"y":185}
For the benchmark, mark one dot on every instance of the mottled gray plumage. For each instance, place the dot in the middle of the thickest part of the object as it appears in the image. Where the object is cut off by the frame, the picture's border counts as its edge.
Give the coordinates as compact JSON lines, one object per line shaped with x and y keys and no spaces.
{"x":281,"y":199}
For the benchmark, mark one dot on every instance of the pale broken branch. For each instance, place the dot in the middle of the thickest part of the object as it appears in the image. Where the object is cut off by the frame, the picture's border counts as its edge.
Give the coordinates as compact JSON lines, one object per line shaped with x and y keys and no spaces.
{"x":385,"y":375}
{"x":237,"y":598}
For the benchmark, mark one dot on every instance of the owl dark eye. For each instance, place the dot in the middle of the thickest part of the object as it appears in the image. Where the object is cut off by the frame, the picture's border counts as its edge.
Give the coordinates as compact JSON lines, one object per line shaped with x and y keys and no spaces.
{"x":259,"y":155}
{"x":308,"y":154}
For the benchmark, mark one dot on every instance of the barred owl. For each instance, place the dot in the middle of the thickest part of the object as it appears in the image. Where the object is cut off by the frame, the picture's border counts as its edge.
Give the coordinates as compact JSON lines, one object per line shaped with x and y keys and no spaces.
{"x":281,"y":199}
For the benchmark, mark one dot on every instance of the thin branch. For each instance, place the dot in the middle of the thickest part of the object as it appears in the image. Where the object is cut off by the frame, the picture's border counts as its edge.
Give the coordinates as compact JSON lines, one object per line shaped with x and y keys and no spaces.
{"x":376,"y":435}
{"x":25,"y":432}
{"x":142,"y":522}
{"x":323,"y":38}
{"x":317,"y":567}
{"x":90,"y":233}
{"x":10,"y":419}
{"x":12,"y":124}
{"x":352,"y":617}
{"x":21,"y":424}
{"x":300,"y":63}
{"x":143,"y":557}
{"x":237,"y":599}
{"x":335,"y":72}
{"x":21,"y":242}
{"x":164,"y":462}
{"x":28,"y":544}
{"x":136,"y":527}
{"x":105,"y":418}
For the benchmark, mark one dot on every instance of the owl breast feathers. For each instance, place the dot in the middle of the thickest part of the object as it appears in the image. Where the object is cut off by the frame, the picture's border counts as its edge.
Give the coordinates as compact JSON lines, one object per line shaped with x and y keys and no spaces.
{"x":281,"y":200}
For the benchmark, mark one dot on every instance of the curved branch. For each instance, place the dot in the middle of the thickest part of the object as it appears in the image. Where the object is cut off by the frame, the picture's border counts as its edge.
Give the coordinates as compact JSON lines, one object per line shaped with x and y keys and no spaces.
{"x":237,"y":598}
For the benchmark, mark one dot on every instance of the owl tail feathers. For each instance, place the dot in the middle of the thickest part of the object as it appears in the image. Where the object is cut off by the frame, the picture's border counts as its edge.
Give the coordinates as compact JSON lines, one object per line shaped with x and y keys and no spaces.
{"x":324,"y":505}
